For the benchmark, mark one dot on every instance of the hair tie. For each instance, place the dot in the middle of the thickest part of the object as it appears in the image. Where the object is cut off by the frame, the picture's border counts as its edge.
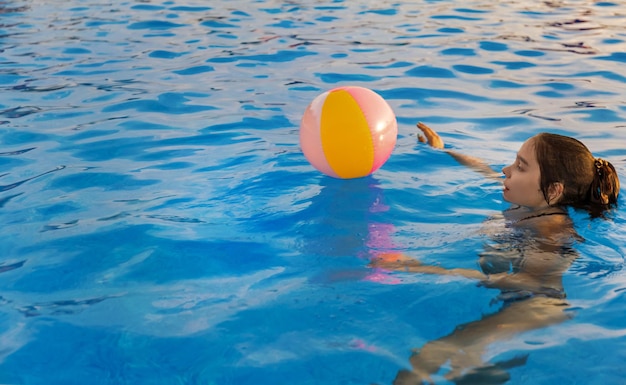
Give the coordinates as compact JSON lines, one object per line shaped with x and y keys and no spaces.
{"x":600,"y":164}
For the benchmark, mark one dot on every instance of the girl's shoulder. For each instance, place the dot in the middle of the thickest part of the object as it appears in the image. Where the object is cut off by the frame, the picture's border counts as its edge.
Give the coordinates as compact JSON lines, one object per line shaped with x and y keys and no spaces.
{"x":553,"y":224}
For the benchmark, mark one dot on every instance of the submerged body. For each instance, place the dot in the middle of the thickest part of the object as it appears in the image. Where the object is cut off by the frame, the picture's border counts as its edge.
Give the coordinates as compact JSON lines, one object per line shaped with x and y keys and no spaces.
{"x":529,"y":248}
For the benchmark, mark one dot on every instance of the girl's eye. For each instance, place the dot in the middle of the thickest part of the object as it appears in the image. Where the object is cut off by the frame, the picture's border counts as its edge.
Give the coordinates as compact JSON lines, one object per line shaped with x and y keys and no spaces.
{"x":519,"y":166}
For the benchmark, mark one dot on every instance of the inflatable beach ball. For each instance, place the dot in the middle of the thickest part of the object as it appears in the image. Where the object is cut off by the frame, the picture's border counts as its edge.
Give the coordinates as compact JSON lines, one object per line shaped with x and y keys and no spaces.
{"x":348,"y":132}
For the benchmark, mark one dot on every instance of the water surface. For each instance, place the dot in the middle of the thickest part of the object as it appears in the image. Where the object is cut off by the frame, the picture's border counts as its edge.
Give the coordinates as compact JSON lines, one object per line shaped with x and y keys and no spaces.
{"x":160,"y":224}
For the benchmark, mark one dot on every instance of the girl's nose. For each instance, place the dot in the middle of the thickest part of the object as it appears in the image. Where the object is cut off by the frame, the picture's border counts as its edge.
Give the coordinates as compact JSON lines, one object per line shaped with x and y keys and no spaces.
{"x":505,"y":171}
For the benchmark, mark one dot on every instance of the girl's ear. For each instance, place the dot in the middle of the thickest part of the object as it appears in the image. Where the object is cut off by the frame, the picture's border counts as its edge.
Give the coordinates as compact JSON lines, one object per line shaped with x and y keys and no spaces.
{"x":555,"y":192}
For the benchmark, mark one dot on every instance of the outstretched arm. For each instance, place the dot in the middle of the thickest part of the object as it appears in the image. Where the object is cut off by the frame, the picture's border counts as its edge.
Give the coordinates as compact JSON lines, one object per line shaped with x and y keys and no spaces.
{"x":477,"y":164}
{"x":542,"y":271}
{"x":401,"y":262}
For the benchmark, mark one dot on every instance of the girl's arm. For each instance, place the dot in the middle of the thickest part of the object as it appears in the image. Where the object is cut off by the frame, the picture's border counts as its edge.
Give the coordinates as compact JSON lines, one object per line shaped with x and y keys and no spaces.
{"x":401,"y":262}
{"x":477,"y":164}
{"x":544,"y":270}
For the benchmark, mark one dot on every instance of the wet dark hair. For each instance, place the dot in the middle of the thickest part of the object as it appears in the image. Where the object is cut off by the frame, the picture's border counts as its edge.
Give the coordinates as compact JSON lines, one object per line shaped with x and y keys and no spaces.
{"x":587,"y":181}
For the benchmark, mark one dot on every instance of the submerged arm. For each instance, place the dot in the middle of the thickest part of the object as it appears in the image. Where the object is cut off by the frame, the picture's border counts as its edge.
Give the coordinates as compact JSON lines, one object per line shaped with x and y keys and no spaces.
{"x":477,"y":164}
{"x":543,"y":270}
{"x":401,"y":262}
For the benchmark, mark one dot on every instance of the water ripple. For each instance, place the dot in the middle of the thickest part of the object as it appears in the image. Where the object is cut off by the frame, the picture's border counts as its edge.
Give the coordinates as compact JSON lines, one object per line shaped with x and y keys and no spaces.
{"x":21,"y":182}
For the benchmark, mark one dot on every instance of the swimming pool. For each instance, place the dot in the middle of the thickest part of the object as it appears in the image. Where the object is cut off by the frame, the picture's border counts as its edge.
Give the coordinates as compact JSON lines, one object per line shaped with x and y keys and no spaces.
{"x":161,"y":226}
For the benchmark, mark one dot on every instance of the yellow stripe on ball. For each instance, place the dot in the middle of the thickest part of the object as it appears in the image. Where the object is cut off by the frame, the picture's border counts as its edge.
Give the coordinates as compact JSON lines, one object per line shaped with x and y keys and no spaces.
{"x":346,"y":136}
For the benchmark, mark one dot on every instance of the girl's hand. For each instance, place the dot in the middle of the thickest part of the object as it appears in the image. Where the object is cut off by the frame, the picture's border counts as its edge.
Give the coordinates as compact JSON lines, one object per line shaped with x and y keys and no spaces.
{"x":393,"y":261}
{"x":433,"y":139}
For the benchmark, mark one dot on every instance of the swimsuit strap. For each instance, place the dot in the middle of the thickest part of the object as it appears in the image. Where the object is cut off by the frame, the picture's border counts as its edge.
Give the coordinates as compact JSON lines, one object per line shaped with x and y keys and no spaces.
{"x":541,"y":215}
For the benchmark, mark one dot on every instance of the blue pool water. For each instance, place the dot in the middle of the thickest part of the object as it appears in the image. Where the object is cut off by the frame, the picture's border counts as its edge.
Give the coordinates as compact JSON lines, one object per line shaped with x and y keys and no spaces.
{"x":161,"y":226}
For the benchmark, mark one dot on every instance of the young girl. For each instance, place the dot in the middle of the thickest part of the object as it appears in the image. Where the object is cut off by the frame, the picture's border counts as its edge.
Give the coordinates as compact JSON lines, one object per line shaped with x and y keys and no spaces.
{"x":525,"y":258}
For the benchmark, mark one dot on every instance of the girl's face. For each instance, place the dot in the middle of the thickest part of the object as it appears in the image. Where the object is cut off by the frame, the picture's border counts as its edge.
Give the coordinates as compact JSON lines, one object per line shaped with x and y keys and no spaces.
{"x":521,"y":183}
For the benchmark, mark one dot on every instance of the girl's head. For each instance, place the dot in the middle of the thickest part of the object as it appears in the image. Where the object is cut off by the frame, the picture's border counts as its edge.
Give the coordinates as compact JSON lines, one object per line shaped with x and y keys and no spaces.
{"x":554,"y":169}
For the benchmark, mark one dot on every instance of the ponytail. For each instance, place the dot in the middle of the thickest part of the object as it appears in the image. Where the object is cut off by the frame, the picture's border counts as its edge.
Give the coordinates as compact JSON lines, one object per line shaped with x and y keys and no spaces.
{"x":605,"y":185}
